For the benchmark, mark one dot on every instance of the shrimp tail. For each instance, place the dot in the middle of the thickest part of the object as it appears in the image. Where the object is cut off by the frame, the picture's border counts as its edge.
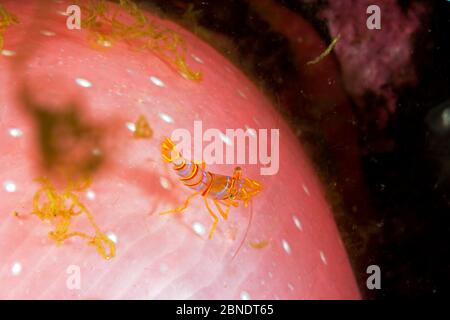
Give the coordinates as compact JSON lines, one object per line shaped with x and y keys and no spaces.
{"x":168,"y":151}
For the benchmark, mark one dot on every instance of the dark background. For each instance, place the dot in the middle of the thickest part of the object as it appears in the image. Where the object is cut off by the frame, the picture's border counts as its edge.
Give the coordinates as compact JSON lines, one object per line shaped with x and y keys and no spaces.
{"x":407,"y":233}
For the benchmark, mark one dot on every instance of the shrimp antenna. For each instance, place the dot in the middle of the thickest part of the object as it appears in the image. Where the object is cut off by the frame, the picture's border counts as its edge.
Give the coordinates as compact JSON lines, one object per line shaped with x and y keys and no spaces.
{"x":246,"y":232}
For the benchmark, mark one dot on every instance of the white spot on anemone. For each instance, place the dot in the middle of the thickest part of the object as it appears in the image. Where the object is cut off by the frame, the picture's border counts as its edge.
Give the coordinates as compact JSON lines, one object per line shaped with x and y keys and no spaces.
{"x":8,"y":53}
{"x":15,"y":132}
{"x":286,"y":246}
{"x":9,"y":186}
{"x":198,"y":228}
{"x":242,"y":94}
{"x":165,"y":117}
{"x":256,"y":121}
{"x":90,"y":194}
{"x":131,"y":126}
{"x":16,"y":268}
{"x":245,"y":295}
{"x":323,"y":257}
{"x":226,"y":139}
{"x":305,"y":188}
{"x":112,"y":236}
{"x":48,"y":33}
{"x":164,"y":182}
{"x":196,"y":58}
{"x":97,"y":152}
{"x":157,"y":82}
{"x":83,"y":83}
{"x":297,"y":222}
{"x":106,"y":43}
{"x":251,"y":131}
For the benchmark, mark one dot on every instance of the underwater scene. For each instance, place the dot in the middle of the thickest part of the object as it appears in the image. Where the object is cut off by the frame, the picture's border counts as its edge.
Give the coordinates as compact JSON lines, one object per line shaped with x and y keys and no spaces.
{"x":224,"y":150}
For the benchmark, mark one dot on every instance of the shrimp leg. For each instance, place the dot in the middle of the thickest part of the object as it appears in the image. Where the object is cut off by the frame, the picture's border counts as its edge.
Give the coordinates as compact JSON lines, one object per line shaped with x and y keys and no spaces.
{"x":216,"y":220}
{"x":183,"y":207}
{"x":223,"y":213}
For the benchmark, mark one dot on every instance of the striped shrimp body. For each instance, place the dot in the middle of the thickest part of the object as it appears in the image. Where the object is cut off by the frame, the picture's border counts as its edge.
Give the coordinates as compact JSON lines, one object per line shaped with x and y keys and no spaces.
{"x":223,"y":191}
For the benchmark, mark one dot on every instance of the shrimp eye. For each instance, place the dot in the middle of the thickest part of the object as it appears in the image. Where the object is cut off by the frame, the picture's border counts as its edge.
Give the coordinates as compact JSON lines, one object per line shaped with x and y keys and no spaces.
{"x":237,"y":173}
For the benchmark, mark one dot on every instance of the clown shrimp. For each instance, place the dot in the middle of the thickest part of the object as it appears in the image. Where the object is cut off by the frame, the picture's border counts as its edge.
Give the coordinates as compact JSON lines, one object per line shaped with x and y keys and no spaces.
{"x":221,"y":190}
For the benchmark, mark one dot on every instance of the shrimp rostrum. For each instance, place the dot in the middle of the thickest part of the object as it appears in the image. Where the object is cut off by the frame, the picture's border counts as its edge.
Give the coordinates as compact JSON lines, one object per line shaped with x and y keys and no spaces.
{"x":223,"y":191}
